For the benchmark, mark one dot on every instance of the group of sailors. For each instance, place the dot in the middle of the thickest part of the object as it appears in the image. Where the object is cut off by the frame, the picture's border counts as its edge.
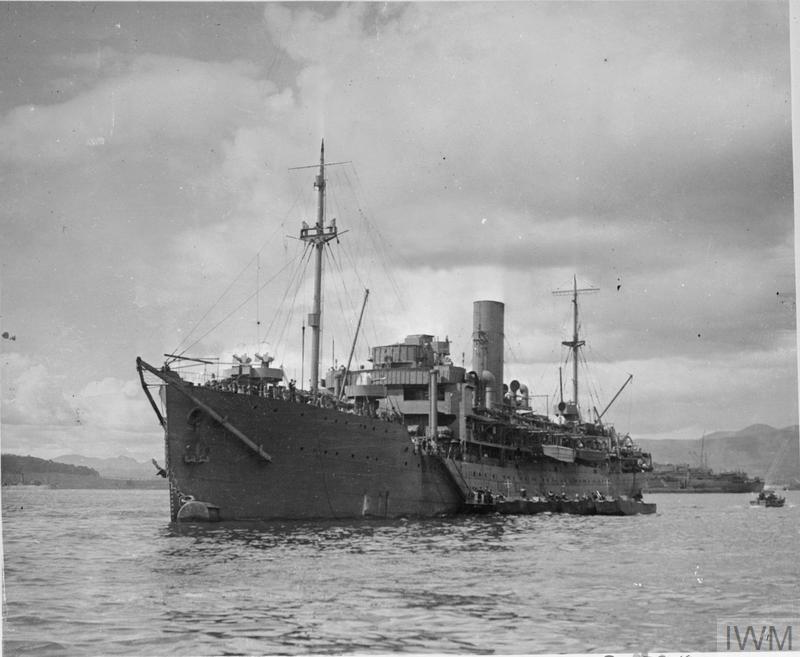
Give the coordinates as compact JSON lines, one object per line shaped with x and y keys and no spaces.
{"x":363,"y":407}
{"x":486,"y":496}
{"x":424,"y":444}
{"x":258,"y":389}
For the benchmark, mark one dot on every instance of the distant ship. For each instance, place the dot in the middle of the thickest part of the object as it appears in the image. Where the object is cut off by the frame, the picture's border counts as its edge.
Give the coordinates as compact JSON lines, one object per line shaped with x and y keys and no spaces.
{"x":684,"y":478}
{"x":410,"y":435}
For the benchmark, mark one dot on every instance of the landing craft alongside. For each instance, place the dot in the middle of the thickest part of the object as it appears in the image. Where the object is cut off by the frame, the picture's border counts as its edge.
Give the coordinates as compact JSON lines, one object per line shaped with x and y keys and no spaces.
{"x":413,"y":435}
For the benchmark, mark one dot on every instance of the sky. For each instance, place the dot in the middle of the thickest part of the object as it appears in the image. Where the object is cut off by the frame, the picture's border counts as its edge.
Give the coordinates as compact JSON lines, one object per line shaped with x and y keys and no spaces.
{"x":151,"y":200}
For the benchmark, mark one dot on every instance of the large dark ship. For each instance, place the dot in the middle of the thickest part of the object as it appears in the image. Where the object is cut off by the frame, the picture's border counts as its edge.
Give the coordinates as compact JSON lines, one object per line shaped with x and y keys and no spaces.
{"x":411,"y":434}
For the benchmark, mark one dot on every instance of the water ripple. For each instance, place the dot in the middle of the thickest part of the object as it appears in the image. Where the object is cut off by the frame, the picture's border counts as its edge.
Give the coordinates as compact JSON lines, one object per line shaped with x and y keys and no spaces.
{"x":88,"y":575}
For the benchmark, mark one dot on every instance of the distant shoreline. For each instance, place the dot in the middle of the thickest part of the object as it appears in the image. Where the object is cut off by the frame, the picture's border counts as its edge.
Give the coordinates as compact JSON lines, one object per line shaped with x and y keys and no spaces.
{"x":49,"y":480}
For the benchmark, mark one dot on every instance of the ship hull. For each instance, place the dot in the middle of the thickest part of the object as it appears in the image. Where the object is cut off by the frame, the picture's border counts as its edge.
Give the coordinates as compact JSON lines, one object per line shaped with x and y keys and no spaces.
{"x":550,"y":476}
{"x":320,"y":463}
{"x":664,"y":485}
{"x":324,"y":463}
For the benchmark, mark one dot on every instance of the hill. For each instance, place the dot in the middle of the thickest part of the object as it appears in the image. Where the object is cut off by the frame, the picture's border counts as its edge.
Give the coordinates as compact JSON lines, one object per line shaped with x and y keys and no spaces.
{"x":119,"y":467}
{"x":29,"y":470}
{"x":15,"y":467}
{"x":759,"y":450}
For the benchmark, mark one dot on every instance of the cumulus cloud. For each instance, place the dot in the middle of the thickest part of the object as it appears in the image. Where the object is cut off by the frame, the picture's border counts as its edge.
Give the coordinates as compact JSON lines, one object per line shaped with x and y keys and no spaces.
{"x":32,"y":394}
{"x":43,"y":416}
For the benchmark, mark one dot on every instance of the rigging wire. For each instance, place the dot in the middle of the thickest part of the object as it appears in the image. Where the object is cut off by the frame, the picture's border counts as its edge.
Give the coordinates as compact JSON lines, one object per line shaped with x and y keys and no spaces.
{"x":339,"y":178}
{"x":510,"y":348}
{"x":290,"y":314}
{"x":362,"y":253}
{"x":338,"y":265}
{"x":346,"y":327}
{"x":348,"y":254}
{"x":232,"y":283}
{"x":306,"y":254}
{"x":592,"y":390}
{"x":294,"y":283}
{"x":373,"y":233}
{"x":226,"y":317}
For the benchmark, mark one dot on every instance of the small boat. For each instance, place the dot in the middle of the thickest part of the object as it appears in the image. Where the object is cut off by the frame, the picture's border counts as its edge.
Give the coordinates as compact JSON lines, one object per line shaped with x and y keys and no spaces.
{"x":768,"y":498}
{"x":580,"y":507}
{"x":529,"y":507}
{"x":589,"y":455}
{"x":624,"y":507}
{"x":559,"y":453}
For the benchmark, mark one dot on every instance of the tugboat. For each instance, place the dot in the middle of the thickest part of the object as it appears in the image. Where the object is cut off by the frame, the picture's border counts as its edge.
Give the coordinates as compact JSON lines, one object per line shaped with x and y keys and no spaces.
{"x":412,"y":434}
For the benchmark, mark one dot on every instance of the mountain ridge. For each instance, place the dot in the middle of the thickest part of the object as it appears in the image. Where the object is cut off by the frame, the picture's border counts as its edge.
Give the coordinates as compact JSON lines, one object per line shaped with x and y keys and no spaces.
{"x":115,"y":467}
{"x":759,"y":450}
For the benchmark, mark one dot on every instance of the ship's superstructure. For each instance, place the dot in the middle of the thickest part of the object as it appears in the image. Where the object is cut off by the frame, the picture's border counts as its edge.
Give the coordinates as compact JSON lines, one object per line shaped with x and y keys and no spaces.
{"x":411,"y":434}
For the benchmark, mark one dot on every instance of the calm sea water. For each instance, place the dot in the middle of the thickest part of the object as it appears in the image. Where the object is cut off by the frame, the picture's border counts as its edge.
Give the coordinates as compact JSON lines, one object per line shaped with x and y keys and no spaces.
{"x":104,"y":573}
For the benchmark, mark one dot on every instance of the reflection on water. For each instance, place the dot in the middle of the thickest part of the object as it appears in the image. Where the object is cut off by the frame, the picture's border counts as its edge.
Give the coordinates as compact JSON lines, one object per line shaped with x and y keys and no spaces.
{"x":101,"y":575}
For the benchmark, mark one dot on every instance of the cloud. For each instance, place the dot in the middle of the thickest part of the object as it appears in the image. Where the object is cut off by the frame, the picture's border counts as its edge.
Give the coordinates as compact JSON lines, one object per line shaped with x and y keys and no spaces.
{"x":114,"y":404}
{"x":149,"y":98}
{"x":32,"y":395}
{"x":39,"y":415}
{"x":595,"y":115}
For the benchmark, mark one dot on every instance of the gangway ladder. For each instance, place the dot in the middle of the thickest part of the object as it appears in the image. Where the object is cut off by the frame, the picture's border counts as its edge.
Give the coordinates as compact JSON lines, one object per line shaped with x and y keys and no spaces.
{"x":458,"y":479}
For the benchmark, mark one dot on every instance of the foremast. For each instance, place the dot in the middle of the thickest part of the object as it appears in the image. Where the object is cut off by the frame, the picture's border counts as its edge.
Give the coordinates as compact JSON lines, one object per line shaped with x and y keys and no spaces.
{"x":318,"y":236}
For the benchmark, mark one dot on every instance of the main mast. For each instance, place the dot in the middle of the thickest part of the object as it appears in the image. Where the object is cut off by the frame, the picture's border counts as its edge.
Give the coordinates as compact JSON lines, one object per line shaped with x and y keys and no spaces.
{"x":575,"y":343}
{"x":318,"y":236}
